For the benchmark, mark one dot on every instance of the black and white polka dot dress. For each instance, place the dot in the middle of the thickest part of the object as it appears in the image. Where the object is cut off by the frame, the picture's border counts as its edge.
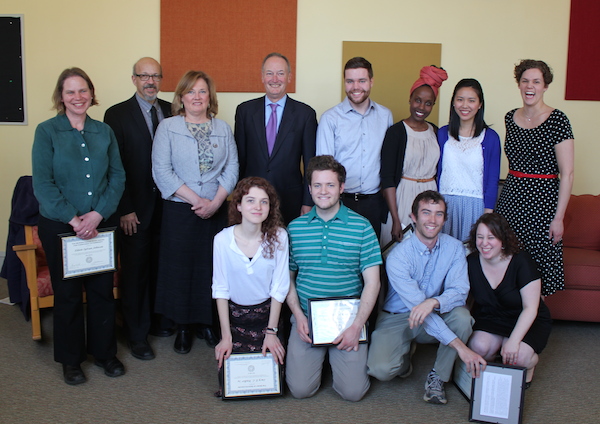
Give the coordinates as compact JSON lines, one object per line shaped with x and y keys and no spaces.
{"x":529,"y":204}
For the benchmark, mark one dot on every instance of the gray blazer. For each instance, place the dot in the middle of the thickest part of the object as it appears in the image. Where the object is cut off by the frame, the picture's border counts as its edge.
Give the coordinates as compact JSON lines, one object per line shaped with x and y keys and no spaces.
{"x":175,"y":160}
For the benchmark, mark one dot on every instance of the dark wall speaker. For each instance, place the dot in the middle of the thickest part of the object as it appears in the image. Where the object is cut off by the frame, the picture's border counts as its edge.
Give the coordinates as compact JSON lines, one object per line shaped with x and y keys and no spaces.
{"x":12,"y":99}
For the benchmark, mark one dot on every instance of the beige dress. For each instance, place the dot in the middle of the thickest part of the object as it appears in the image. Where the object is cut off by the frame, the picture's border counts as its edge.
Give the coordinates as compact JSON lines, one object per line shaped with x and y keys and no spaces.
{"x":420,"y":162}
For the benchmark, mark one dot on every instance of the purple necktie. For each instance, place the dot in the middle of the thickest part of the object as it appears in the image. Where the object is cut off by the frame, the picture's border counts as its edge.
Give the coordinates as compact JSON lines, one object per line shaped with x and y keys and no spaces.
{"x":272,"y":128}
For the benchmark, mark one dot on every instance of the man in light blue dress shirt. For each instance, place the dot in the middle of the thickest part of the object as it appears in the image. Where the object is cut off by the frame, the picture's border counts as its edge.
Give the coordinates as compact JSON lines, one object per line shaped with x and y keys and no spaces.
{"x":352,"y":132}
{"x":428,"y":287}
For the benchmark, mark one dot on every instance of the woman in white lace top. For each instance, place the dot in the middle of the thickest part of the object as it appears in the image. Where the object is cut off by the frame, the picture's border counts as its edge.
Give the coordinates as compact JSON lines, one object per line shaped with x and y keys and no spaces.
{"x":469,"y":165}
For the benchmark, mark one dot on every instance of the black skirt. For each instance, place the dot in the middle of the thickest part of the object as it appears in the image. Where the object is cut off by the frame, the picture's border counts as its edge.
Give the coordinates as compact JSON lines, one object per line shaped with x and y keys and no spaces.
{"x":248,"y":325}
{"x":183,"y":291}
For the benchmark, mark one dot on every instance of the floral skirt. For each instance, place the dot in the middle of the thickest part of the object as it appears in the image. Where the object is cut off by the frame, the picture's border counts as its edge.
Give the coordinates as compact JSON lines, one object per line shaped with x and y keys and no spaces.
{"x":248,"y":325}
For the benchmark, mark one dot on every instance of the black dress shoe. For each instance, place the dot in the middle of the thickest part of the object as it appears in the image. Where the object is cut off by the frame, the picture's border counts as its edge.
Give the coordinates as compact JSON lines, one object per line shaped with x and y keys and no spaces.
{"x":141,"y":350}
{"x":73,"y":374}
{"x":112,"y":367}
{"x":208,"y":335}
{"x":183,"y":341}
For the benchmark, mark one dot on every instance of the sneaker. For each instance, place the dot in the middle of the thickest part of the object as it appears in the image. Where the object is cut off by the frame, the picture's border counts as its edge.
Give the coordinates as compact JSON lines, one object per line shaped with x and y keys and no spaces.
{"x":434,"y":389}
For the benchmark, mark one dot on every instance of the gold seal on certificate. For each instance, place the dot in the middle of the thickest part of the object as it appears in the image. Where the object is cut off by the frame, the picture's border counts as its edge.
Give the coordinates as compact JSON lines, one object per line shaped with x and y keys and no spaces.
{"x":328,"y":318}
{"x":249,"y":375}
{"x":85,"y":257}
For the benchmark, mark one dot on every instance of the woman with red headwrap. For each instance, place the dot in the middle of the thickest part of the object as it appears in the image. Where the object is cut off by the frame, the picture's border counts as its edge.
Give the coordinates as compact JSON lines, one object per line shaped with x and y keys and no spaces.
{"x":410,"y":154}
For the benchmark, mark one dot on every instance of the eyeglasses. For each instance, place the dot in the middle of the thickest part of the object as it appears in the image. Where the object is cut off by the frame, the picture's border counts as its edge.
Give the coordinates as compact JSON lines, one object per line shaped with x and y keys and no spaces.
{"x":146,"y":77}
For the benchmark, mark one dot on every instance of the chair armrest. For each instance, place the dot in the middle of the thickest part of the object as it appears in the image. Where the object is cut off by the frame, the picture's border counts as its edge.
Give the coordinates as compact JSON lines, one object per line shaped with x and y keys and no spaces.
{"x":26,"y":253}
{"x":24,"y":247}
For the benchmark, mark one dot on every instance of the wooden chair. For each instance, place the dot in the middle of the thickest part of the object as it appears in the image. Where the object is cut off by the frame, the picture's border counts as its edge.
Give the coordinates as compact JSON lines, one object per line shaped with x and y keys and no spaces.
{"x":41,"y":295}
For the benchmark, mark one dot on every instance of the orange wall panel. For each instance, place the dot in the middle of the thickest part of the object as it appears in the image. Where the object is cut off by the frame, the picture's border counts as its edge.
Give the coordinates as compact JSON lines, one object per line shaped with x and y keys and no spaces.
{"x":227,"y":39}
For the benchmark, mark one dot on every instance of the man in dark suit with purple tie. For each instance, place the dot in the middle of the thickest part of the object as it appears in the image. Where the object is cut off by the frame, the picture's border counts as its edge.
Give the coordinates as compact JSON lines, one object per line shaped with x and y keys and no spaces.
{"x":275,"y":134}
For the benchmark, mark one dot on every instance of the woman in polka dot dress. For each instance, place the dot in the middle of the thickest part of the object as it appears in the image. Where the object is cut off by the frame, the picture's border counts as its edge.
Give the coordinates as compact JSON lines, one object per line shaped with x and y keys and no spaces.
{"x":539,"y":147}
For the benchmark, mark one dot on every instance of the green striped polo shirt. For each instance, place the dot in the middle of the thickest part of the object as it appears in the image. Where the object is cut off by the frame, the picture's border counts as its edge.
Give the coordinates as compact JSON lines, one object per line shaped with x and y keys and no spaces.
{"x":331,"y":256}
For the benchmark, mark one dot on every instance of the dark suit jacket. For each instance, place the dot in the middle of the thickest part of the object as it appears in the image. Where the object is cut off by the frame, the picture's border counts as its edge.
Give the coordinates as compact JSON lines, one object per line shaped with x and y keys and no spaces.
{"x":295,"y":142}
{"x":135,"y":143}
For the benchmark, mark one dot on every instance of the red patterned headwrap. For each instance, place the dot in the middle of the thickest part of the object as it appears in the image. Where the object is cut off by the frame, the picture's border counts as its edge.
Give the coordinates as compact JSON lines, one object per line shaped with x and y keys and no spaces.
{"x":431,"y":76}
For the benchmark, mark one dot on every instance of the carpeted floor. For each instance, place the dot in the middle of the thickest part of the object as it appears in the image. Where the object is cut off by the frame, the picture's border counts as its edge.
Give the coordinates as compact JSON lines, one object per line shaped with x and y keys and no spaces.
{"x":178,"y":388}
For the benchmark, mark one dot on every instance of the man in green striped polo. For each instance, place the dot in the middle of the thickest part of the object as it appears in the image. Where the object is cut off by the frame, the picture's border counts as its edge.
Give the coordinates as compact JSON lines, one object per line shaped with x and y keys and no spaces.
{"x":333,"y":252}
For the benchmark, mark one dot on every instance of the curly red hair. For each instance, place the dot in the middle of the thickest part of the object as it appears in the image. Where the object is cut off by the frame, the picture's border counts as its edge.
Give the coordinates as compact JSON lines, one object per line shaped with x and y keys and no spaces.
{"x":274,"y":221}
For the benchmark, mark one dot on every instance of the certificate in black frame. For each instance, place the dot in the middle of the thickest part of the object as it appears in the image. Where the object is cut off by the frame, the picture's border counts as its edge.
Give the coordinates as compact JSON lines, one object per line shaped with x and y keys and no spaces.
{"x":407,"y":233}
{"x":338,"y":317}
{"x":497,"y":395}
{"x":462,"y":379}
{"x":250,"y":375}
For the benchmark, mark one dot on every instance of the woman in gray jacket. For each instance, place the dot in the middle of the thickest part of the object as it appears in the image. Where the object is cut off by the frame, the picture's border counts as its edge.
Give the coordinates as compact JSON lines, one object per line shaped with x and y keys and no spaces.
{"x":195,"y":166}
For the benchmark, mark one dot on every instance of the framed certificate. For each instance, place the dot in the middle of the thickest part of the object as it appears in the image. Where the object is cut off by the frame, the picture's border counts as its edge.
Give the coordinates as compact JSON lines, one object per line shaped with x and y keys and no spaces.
{"x":86,"y":257}
{"x":497,"y":396}
{"x":407,"y":233}
{"x":462,"y":379}
{"x":247,"y":375}
{"x":328,"y":317}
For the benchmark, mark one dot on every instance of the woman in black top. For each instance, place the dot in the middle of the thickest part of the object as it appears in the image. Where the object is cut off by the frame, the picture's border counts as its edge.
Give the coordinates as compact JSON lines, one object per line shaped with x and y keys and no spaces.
{"x":510,"y":316}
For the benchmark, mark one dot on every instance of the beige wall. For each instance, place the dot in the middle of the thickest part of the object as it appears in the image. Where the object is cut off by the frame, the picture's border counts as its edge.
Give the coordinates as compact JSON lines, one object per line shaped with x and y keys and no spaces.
{"x":480,"y":39}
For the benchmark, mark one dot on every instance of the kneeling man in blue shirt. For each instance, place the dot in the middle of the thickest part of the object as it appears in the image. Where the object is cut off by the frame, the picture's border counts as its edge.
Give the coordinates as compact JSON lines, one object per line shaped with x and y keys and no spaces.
{"x":428,"y":287}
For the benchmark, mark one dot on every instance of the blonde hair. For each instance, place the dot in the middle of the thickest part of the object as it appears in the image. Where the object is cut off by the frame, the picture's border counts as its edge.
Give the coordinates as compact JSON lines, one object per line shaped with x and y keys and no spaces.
{"x":185,"y":84}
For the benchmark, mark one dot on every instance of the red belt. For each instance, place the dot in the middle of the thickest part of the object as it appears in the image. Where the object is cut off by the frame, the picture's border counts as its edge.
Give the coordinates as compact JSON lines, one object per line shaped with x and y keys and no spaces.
{"x":523,"y":175}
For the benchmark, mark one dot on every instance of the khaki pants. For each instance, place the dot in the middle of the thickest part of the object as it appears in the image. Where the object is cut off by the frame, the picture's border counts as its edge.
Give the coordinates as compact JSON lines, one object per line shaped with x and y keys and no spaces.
{"x":304,"y":365}
{"x":389,"y":354}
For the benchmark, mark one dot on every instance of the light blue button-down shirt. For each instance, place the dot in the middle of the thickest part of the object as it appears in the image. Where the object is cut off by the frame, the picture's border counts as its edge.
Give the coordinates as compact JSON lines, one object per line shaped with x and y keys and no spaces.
{"x":279,"y":110}
{"x":415,"y":273}
{"x":355,"y":141}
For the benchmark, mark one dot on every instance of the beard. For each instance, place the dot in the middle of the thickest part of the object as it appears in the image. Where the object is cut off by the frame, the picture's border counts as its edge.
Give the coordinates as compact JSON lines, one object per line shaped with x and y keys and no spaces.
{"x":363,"y":98}
{"x":152,"y":97}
